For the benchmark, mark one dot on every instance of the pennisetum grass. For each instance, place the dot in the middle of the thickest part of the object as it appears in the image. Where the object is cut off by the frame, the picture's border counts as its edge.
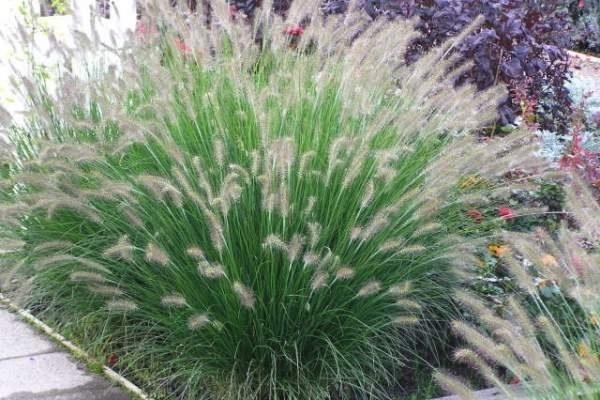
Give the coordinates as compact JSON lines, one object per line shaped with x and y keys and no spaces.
{"x":258,"y":214}
{"x":549,"y":344}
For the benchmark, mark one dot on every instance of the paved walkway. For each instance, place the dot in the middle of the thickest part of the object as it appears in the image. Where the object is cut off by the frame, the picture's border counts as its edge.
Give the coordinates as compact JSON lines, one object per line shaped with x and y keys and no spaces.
{"x":34,"y":368}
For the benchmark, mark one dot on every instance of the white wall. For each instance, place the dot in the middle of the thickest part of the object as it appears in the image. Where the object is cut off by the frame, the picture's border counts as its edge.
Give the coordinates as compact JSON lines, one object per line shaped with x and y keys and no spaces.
{"x":16,"y":57}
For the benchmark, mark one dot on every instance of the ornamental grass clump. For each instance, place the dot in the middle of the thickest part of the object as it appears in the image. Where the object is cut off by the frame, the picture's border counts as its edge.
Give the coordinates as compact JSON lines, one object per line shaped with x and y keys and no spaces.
{"x":547,"y":340}
{"x":261,"y":218}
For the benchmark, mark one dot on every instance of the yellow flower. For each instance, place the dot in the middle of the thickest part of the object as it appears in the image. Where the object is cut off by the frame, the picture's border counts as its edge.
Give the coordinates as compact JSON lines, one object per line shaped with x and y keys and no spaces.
{"x":470,"y":181}
{"x":583,"y":350}
{"x":548,"y":260}
{"x":498,"y":250}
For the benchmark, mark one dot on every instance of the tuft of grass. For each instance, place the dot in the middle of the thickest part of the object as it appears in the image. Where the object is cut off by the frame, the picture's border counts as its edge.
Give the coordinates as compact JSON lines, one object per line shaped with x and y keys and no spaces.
{"x":258,"y":215}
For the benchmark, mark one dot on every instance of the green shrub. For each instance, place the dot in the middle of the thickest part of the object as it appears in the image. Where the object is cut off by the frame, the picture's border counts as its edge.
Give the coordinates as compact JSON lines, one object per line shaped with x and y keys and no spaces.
{"x":260,"y":222}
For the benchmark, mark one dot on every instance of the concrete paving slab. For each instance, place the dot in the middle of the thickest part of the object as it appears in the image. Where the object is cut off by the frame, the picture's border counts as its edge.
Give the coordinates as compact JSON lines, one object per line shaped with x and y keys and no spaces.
{"x":41,"y":373}
{"x":17,"y":339}
{"x":87,"y":393}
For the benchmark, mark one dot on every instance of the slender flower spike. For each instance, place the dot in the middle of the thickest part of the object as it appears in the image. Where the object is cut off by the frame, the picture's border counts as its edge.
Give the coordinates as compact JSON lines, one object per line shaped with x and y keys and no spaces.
{"x":195,"y":252}
{"x":245,"y":295}
{"x":156,"y":255}
{"x":369,"y":289}
{"x":344,"y":273}
{"x":173,"y":300}
{"x":319,"y":281}
{"x":197,"y":321}
{"x":211,"y":271}
{"x":121,"y":305}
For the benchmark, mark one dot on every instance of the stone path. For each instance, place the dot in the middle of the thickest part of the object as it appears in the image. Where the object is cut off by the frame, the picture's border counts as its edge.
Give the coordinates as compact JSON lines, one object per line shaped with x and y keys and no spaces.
{"x":34,"y":368}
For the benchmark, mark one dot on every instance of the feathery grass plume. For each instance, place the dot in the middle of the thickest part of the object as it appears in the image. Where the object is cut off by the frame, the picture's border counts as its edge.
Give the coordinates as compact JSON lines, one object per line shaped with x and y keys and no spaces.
{"x":53,"y":245}
{"x":344,"y":273}
{"x":220,"y":133}
{"x":130,"y":214}
{"x":62,"y":201}
{"x":195,"y":252}
{"x":88,"y":277}
{"x":413,"y":249}
{"x":294,"y":248}
{"x":245,"y":295}
{"x":406,"y":320}
{"x":54,"y":260}
{"x":161,"y":188}
{"x":155,"y":254}
{"x":319,"y":280}
{"x":549,"y":342}
{"x":275,"y":242}
{"x":122,"y":250}
{"x":454,"y":385}
{"x":121,"y":306}
{"x":197,"y":321}
{"x":369,"y":289}
{"x":211,"y":271}
{"x":173,"y":300}
{"x":105,"y":290}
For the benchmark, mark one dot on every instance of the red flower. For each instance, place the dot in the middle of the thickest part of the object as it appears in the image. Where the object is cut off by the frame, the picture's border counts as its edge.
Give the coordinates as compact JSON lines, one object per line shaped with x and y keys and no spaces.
{"x":112,"y":360}
{"x":181,"y":46}
{"x":506,"y":213}
{"x":475,"y":215}
{"x":581,"y":4}
{"x":294,"y":30}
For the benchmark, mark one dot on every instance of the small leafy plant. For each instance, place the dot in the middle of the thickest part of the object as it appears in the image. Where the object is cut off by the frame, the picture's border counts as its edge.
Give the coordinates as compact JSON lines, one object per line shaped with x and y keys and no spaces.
{"x":260,"y":215}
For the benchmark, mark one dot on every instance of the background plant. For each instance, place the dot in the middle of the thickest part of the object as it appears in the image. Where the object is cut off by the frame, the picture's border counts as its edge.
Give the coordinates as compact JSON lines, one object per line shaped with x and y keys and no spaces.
{"x":261,"y":219}
{"x":521,"y":43}
{"x":548,"y":340}
{"x":586,"y":25}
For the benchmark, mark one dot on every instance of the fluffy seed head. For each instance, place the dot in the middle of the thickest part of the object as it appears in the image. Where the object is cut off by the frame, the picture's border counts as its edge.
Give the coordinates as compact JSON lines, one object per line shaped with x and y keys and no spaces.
{"x":156,"y":255}
{"x":86,"y":276}
{"x":123,"y":250}
{"x":195,"y":252}
{"x":197,"y":321}
{"x":105,"y":290}
{"x":211,"y":271}
{"x":173,"y":300}
{"x":344,"y":273}
{"x":319,"y":280}
{"x":245,"y":295}
{"x":369,"y":289}
{"x":121,"y":305}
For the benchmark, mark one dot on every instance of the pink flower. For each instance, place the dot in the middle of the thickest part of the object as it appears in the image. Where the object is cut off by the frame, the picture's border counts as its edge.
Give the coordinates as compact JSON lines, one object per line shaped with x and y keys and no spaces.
{"x":506,"y":213}
{"x":182,"y":46}
{"x":294,"y":30}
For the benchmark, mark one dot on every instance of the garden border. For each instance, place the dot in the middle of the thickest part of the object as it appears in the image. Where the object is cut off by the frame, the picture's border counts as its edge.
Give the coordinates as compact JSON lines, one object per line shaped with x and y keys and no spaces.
{"x":108,"y":373}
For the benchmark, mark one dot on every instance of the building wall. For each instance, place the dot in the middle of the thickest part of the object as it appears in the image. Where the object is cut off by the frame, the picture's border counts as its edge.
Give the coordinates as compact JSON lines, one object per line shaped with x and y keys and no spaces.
{"x":17,"y":59}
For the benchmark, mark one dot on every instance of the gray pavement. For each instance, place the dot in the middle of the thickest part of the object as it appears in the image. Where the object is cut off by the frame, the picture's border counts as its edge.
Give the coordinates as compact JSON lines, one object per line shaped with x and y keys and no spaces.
{"x":34,"y":368}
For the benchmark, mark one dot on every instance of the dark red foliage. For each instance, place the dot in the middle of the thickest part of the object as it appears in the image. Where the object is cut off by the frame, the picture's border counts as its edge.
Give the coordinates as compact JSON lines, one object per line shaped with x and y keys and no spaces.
{"x":521,"y":43}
